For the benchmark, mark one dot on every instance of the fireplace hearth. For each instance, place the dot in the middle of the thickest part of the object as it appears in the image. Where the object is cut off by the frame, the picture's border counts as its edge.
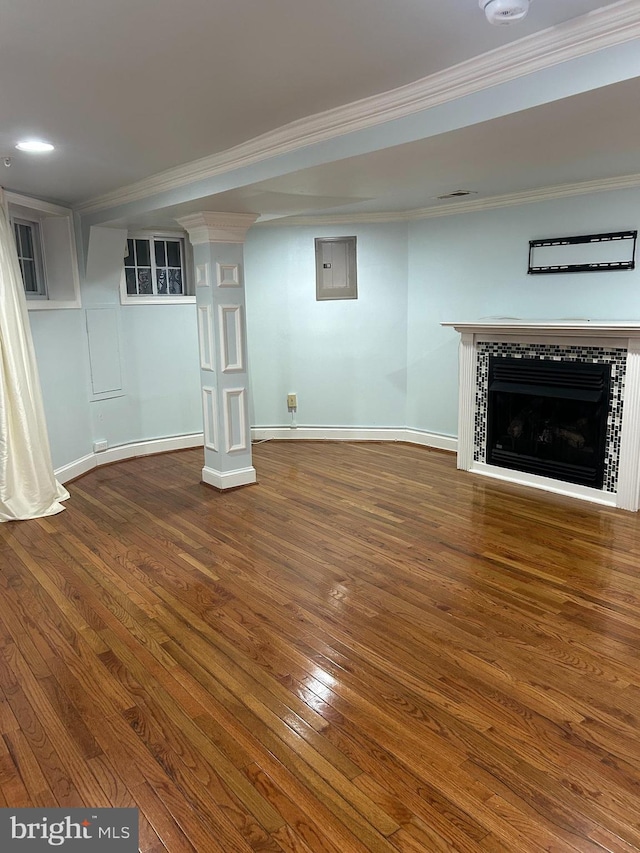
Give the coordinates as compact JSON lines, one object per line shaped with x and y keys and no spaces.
{"x":548,"y":418}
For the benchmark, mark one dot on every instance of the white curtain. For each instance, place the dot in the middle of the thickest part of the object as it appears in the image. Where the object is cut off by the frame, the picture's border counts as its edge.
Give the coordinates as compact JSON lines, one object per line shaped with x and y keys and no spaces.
{"x":28,"y":488}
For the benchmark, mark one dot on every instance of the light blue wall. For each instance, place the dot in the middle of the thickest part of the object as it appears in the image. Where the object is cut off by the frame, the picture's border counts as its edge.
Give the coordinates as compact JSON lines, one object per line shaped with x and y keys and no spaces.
{"x":60,"y":343}
{"x":473,"y":266}
{"x":162,"y":371}
{"x":346,"y":360}
{"x":159,"y":360}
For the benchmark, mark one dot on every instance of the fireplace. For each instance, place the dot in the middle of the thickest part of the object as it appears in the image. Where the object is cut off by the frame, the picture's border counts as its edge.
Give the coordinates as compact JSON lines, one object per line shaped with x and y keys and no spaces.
{"x":553,"y":404}
{"x":548,"y":418}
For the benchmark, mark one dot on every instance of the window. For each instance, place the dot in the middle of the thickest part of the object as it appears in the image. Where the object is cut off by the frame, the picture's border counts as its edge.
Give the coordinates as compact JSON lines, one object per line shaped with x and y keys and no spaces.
{"x":29,"y":248}
{"x":336,"y":276}
{"x":45,"y":240}
{"x":155,"y":269}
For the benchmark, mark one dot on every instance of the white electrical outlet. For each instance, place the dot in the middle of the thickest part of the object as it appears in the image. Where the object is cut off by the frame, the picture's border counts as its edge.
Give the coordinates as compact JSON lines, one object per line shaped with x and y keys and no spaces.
{"x":100,"y":446}
{"x":292,"y":401}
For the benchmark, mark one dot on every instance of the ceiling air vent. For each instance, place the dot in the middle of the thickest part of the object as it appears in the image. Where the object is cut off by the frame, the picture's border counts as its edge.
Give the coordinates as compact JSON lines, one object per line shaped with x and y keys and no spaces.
{"x":456,"y":194}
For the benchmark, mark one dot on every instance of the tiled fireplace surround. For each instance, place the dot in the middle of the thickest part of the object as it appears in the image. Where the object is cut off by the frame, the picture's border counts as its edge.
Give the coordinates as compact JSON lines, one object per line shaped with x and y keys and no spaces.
{"x":608,"y":342}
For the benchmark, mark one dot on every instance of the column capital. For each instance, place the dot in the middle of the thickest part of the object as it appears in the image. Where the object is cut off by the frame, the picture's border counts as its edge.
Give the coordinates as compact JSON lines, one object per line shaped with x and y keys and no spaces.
{"x":210,"y":227}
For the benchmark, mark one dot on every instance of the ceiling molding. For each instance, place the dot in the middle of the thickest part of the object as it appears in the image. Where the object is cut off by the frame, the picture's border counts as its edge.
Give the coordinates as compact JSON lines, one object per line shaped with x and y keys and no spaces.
{"x":602,"y":28}
{"x":35,"y":204}
{"x":455,"y":208}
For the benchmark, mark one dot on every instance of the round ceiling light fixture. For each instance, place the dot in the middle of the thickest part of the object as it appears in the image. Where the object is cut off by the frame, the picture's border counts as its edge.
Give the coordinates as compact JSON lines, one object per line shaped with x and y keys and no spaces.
{"x":34,"y":146}
{"x":501,"y":12}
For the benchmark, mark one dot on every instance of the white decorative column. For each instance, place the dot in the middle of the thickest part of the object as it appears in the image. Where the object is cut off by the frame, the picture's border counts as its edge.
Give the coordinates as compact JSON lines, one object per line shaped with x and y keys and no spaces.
{"x":217,"y":240}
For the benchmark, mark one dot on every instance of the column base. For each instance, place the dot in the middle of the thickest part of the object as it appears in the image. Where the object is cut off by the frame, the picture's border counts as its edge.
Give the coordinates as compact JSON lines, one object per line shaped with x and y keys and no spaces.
{"x":223,"y":480}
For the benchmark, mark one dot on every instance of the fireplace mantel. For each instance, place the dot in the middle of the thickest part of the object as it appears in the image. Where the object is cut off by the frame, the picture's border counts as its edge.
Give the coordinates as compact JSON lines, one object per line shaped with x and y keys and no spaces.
{"x":619,"y":340}
{"x":564,"y":328}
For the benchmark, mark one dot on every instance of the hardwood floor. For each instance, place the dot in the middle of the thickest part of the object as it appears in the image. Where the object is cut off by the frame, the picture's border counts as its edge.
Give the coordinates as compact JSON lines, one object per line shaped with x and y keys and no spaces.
{"x":367,"y":651}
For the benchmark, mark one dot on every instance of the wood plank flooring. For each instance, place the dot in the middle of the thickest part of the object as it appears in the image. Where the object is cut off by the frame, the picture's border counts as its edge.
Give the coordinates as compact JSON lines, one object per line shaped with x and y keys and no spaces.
{"x":367,"y":651}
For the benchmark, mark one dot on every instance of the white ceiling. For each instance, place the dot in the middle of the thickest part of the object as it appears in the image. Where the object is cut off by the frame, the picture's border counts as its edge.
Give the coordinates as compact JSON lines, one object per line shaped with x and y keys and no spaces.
{"x":128,"y":89}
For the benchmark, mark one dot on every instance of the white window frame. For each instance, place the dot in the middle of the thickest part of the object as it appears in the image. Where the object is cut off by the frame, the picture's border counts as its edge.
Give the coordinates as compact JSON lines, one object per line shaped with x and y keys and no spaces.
{"x":36,"y":242}
{"x":59,"y":256}
{"x":185,"y":298}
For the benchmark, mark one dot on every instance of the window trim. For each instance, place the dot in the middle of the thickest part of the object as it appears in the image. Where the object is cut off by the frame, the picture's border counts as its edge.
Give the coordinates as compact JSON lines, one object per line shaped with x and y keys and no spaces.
{"x":36,"y":210}
{"x":38,"y":257}
{"x":153,"y":298}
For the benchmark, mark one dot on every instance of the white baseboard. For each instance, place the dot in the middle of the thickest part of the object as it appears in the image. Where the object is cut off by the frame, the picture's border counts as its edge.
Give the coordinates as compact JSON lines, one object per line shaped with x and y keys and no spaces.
{"x":146,"y":448}
{"x":248,"y":475}
{"x":327,"y":433}
{"x":76,"y":468}
{"x":411,"y":436}
{"x":126,"y":451}
{"x":229,"y":479}
{"x":431,"y":439}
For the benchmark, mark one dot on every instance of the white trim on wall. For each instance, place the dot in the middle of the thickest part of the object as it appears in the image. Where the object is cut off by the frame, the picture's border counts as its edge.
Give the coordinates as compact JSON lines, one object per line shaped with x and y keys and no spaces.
{"x":205,"y":337}
{"x":126,"y":451}
{"x":202,"y":275}
{"x":210,"y":414}
{"x":411,"y":436}
{"x":456,"y":208}
{"x":228,"y":275}
{"x":431,"y":439}
{"x":229,"y":480}
{"x":234,"y":403}
{"x":231,"y":346}
{"x":182,"y":442}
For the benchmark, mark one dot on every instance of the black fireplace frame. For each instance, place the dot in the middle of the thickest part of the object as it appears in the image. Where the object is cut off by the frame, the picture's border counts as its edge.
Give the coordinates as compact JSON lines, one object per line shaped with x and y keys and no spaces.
{"x":545,"y":379}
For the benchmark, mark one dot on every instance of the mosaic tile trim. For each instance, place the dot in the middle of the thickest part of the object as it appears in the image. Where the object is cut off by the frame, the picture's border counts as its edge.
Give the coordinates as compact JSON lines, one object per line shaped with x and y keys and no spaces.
{"x":617,"y":358}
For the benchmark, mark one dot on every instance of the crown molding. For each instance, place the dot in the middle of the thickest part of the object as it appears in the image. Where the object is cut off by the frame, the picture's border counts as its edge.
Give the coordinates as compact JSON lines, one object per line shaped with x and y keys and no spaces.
{"x":35,"y":204}
{"x":623,"y":182}
{"x":455,"y":208}
{"x":210,"y":227}
{"x":602,"y":28}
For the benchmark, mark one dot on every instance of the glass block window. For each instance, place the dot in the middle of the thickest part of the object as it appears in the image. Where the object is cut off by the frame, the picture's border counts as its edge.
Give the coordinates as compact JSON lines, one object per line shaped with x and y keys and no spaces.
{"x":27,"y":236}
{"x":154,"y":266}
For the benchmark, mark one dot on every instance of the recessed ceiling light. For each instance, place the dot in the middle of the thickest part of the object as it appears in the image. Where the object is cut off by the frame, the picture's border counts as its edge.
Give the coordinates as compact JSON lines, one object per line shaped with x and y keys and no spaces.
{"x":34,"y":146}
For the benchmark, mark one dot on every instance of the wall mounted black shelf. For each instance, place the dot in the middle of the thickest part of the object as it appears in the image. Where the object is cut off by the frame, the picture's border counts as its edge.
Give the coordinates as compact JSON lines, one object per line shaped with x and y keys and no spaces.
{"x":619,"y":244}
